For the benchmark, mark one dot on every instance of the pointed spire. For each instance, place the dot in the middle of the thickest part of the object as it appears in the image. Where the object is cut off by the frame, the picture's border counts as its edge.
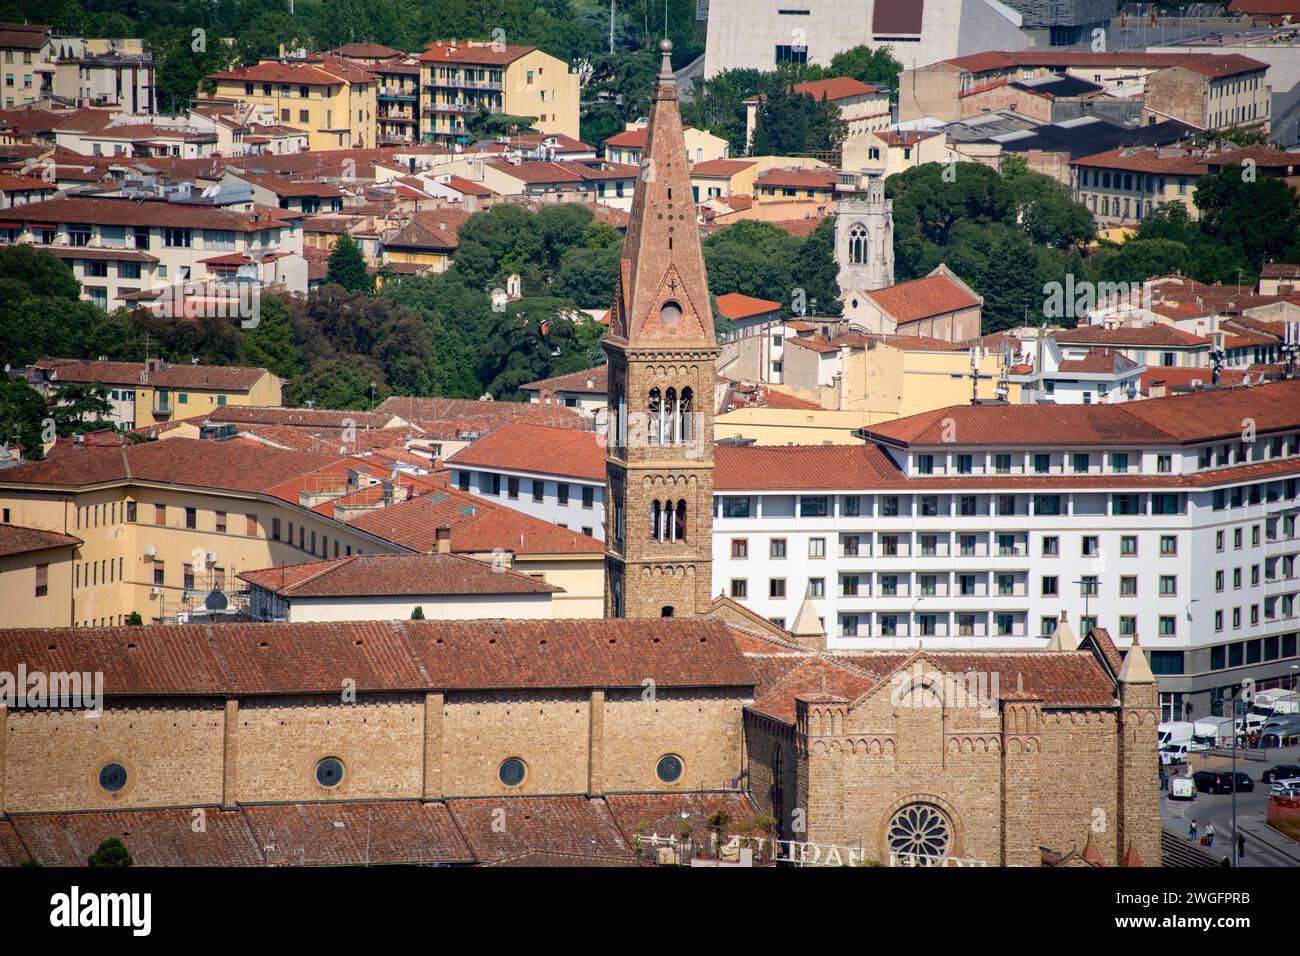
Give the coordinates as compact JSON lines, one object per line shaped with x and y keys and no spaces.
{"x":806,"y":622}
{"x":1091,"y":853}
{"x":1136,"y":670}
{"x":662,"y":290}
{"x":1063,"y":638}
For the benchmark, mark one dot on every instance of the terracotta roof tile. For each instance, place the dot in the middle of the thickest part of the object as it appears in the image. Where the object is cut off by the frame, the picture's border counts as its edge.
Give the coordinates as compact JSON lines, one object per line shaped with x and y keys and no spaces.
{"x":16,"y":539}
{"x":835,"y":88}
{"x":154,"y":838}
{"x":480,"y":416}
{"x":359,"y":833}
{"x":369,"y":575}
{"x":555,"y":824}
{"x":922,"y":298}
{"x":516,"y":446}
{"x":594,"y":381}
{"x":1150,"y":336}
{"x":449,"y":51}
{"x":215,"y":377}
{"x":735,"y":305}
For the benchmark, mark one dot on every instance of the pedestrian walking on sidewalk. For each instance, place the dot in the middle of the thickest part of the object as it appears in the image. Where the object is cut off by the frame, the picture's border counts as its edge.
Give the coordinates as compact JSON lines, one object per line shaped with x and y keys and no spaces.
{"x":1209,"y":834}
{"x":1241,"y":845}
{"x":1191,"y":831}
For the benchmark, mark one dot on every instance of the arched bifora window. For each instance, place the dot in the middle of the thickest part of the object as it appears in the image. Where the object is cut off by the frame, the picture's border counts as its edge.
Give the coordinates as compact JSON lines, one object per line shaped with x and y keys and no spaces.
{"x":684,"y":417}
{"x":654,"y":417}
{"x":670,"y":417}
{"x":680,"y":522}
{"x":656,"y":521}
{"x":858,"y":243}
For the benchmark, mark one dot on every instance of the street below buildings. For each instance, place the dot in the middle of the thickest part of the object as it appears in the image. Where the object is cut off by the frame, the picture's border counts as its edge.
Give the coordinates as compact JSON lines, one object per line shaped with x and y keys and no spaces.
{"x":1264,"y":845}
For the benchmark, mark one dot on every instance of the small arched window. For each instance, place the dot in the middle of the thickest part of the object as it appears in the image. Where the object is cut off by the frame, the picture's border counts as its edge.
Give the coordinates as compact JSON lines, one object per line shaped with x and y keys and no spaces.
{"x":670,"y":417}
{"x":684,"y":417}
{"x":656,"y":521}
{"x":857,"y":244}
{"x":654,"y":417}
{"x":680,"y":522}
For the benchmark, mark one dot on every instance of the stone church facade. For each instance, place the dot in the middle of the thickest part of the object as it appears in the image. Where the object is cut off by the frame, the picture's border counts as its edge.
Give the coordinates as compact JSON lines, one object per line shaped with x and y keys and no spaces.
{"x":864,"y":244}
{"x":993,"y":758}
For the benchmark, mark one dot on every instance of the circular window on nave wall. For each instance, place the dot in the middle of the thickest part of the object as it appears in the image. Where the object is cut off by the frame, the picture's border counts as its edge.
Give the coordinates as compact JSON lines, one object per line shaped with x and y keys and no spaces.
{"x":919,"y":830}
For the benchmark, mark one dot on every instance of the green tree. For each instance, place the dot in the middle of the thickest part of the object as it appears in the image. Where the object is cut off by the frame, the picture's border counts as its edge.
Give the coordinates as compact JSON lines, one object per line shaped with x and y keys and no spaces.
{"x":789,"y":123}
{"x":531,"y":338}
{"x":587,"y":276}
{"x":271,"y":345}
{"x":484,"y":125}
{"x":81,"y":407}
{"x":418,"y":613}
{"x":22,"y":415}
{"x":497,"y":242}
{"x":347,"y":267}
{"x":816,"y":271}
{"x":1140,"y":259}
{"x":753,"y":258}
{"x":875,"y":67}
{"x":338,"y":383}
{"x":134,"y":619}
{"x":111,"y":853}
{"x":1258,"y":218}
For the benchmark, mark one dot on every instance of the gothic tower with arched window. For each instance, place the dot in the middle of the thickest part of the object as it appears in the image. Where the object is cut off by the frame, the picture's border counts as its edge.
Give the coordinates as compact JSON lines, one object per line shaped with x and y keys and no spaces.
{"x":661,"y":348}
{"x":864,"y":244}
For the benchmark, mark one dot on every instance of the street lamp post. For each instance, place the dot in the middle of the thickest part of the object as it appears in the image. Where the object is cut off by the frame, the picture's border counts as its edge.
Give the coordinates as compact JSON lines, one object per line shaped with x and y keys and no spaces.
{"x":1234,"y":780}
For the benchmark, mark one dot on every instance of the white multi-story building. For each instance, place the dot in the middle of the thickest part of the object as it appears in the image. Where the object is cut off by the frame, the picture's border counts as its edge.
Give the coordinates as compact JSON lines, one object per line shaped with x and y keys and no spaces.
{"x":1173,"y":519}
{"x":746,"y":35}
{"x":127,"y":250}
{"x":556,"y":474}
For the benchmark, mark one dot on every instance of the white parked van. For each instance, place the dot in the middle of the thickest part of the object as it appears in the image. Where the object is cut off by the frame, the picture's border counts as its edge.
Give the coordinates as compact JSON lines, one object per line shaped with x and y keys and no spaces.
{"x":1174,"y":753}
{"x":1175,"y":732}
{"x":1182,"y":788}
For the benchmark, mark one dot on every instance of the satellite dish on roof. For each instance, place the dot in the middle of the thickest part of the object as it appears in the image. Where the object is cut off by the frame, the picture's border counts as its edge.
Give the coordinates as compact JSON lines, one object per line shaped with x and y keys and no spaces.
{"x":216,"y":601}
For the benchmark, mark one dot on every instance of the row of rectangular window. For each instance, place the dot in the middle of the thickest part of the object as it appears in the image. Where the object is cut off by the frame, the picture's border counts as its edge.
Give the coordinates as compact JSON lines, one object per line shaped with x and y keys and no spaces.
{"x":491,"y":485}
{"x":1008,"y":545}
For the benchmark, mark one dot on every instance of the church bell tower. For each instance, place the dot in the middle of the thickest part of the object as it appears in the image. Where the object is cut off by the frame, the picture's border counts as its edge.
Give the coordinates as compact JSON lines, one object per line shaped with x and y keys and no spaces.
{"x":661,"y":348}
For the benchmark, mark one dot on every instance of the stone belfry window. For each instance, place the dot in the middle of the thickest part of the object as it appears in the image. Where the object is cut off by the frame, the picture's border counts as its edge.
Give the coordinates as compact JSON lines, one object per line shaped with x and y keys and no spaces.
{"x":858,"y":244}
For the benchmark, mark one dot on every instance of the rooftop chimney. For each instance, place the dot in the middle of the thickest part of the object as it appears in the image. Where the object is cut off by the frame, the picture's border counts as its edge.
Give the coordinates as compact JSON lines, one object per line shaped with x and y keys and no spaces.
{"x":443,"y":538}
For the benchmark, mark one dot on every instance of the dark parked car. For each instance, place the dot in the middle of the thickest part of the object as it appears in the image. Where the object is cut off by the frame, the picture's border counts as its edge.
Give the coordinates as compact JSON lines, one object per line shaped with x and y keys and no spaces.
{"x":1220,"y":781}
{"x":1283,"y":771}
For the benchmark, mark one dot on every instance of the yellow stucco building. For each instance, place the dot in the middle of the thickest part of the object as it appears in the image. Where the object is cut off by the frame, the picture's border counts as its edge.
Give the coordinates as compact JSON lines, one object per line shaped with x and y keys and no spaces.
{"x":459,"y":79}
{"x":331,"y":98}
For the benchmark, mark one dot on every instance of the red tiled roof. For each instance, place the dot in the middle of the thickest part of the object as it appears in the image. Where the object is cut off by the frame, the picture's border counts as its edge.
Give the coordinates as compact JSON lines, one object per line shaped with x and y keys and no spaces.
{"x":516,"y":446}
{"x":16,"y":539}
{"x":735,"y":305}
{"x":1280,"y":270}
{"x":478,"y":526}
{"x":835,"y":88}
{"x":1067,"y":679}
{"x":480,"y":416}
{"x":1208,"y":64}
{"x":1099,"y":361}
{"x":119,"y":212}
{"x":261,"y":659}
{"x":1142,"y":160}
{"x":180,"y":461}
{"x":214,"y":377}
{"x":468,"y":187}
{"x":434,"y":229}
{"x":1181,"y":376}
{"x":320,"y":74}
{"x":923,"y":298}
{"x":368,"y":51}
{"x":13,"y":184}
{"x":301,"y":417}
{"x":1158,"y":335}
{"x":593,"y":381}
{"x":1196,"y":417}
{"x":370,"y":575}
{"x":440,"y":51}
{"x":799,"y":178}
{"x":722,"y":168}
